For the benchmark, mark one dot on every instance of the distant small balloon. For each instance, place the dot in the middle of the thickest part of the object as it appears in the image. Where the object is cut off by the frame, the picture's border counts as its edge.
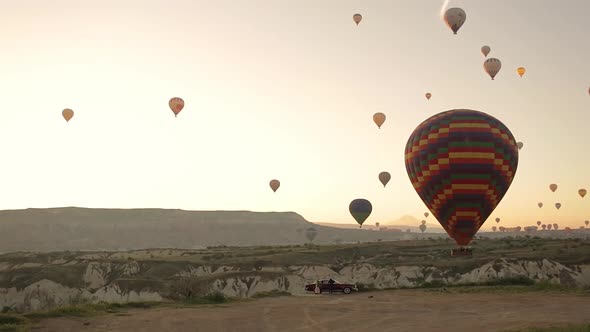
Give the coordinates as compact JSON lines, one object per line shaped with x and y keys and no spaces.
{"x":553,"y":187}
{"x":582,"y":192}
{"x":538,"y":223}
{"x":494,"y":228}
{"x":422,"y":228}
{"x":497,"y":220}
{"x":426,"y":214}
{"x":423,"y":222}
{"x":540,"y":205}
{"x":520,"y":71}
{"x":492,"y":66}
{"x":520,"y":145}
{"x":67,"y":114}
{"x":377,"y":224}
{"x":485,"y":50}
{"x":360,"y":209}
{"x":357,"y":18}
{"x":586,"y":222}
{"x":455,"y":18}
{"x":384,"y":177}
{"x":379,"y":119}
{"x":176,"y":105}
{"x":558,"y":205}
{"x":274,"y":184}
{"x":428,"y":95}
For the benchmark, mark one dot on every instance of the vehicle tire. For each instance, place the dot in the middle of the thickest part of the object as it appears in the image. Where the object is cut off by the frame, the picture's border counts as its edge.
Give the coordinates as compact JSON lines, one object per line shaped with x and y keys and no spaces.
{"x":346,"y":290}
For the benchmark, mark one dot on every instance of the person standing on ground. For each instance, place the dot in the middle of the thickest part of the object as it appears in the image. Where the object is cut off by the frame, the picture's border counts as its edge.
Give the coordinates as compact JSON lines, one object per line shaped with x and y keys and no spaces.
{"x":317,"y":287}
{"x":331,"y":282}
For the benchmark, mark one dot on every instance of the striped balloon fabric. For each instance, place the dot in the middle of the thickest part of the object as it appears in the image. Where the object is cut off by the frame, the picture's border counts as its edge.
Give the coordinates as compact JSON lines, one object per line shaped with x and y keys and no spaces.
{"x":461,"y":162}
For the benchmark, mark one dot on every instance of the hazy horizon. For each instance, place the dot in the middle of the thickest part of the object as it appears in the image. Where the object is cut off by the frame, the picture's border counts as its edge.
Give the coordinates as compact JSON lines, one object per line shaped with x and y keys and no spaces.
{"x":285,"y":90}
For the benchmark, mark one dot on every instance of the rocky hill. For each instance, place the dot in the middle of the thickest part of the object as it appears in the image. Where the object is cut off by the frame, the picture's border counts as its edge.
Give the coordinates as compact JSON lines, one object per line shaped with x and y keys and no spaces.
{"x":128,"y":229}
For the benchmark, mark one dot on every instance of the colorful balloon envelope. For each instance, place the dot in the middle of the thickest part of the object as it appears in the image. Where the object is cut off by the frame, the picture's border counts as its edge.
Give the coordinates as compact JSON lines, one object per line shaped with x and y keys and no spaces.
{"x":360,"y":209}
{"x":521,"y":71}
{"x":461,"y":163}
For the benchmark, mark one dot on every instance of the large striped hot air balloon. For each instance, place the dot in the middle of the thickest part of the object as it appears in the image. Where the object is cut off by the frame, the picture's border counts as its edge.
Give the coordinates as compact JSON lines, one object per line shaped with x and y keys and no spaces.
{"x":461,"y":163}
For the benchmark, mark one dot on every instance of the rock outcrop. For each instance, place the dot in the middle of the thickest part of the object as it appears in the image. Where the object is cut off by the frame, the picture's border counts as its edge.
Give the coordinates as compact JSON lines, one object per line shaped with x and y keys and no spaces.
{"x":133,"y":281}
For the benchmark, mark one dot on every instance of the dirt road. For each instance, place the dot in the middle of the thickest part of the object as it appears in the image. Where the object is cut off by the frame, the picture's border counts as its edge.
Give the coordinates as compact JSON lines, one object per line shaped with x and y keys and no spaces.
{"x":400,"y":310}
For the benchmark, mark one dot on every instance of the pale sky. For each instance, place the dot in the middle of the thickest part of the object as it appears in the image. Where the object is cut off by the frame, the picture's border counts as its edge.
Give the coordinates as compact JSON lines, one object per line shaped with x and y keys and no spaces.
{"x":282,"y":89}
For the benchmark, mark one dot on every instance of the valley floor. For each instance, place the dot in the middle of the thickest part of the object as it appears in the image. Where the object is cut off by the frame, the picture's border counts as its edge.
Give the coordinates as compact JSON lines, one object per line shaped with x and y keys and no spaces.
{"x":395,"y":310}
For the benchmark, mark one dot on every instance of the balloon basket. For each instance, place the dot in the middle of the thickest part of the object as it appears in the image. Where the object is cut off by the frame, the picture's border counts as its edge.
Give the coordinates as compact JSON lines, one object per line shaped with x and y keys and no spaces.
{"x":461,"y":252}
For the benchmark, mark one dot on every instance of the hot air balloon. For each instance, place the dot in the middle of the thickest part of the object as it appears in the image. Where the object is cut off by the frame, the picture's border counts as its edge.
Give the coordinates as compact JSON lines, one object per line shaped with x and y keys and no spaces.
{"x":549,"y":226}
{"x":502,"y":228}
{"x":423,"y":222}
{"x":357,"y":18}
{"x":311,"y":233}
{"x":274,"y":185}
{"x":538,"y":223}
{"x":67,"y":114}
{"x":492,"y":66}
{"x":494,"y":228}
{"x":428,"y":95}
{"x":582,"y":192}
{"x":555,"y":226}
{"x":520,"y":71}
{"x":485,"y":50}
{"x":553,"y":187}
{"x":422,"y":228}
{"x":455,"y":18}
{"x":377,"y":224}
{"x":544,"y":227}
{"x":360,"y":209}
{"x":461,"y":163}
{"x":498,"y":220}
{"x":520,"y":145}
{"x":557,"y":205}
{"x":384,"y":177}
{"x":426,"y":214}
{"x":540,"y":205}
{"x":586,"y":222}
{"x":176,"y":105}
{"x":379,"y":119}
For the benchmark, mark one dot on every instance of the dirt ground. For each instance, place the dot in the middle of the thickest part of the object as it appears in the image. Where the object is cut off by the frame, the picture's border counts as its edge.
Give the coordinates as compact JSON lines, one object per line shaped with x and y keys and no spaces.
{"x":399,"y":310}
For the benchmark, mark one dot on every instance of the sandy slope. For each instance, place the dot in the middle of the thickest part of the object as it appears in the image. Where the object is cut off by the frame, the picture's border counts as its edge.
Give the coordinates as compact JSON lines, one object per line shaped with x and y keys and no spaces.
{"x":401,"y":310}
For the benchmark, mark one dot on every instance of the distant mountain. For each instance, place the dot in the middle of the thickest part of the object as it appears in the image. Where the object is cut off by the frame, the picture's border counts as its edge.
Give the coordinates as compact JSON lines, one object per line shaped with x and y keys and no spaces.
{"x":73,"y":228}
